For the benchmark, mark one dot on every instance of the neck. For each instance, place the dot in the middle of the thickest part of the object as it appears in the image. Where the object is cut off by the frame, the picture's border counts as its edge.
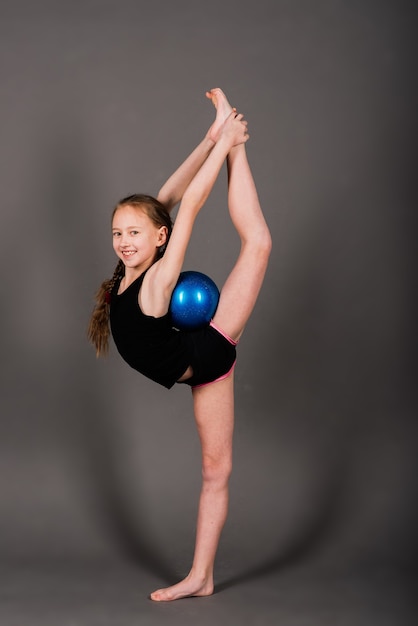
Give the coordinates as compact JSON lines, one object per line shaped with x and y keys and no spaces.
{"x":131,"y":274}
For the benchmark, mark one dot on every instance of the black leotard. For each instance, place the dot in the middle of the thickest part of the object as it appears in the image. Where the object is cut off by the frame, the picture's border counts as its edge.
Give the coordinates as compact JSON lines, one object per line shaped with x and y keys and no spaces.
{"x":153,"y":347}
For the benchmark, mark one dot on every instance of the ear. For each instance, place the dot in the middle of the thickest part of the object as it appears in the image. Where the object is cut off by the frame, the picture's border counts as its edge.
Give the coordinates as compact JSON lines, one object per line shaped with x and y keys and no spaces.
{"x":162,"y":236}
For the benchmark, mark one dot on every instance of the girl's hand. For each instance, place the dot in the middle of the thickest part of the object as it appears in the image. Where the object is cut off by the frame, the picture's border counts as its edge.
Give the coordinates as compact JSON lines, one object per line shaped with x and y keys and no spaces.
{"x":235,"y":129}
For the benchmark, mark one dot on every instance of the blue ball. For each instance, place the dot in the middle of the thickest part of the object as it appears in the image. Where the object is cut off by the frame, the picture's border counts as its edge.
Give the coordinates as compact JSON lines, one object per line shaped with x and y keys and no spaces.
{"x":194,"y":301}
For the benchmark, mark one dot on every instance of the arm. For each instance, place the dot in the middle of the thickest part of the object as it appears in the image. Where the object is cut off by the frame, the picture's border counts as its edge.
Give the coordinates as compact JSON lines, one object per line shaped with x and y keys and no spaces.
{"x":172,"y":191}
{"x":162,"y":276}
{"x":194,"y":197}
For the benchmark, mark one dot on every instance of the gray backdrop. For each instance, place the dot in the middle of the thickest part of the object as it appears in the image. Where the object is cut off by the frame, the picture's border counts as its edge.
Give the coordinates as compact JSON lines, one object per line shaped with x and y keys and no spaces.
{"x":100,"y":99}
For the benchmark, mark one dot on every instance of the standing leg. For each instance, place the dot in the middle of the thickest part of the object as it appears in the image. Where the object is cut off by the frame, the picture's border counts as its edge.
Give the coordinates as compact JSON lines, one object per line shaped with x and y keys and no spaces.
{"x":214,"y":413}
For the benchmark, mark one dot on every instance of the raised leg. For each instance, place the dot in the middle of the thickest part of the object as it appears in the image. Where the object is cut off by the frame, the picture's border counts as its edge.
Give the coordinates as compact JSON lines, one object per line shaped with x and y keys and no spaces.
{"x":241,"y":289}
{"x":214,"y":413}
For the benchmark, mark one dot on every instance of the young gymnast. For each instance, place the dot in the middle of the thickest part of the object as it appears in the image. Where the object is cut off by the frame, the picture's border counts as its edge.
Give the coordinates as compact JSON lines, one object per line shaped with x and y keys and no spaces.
{"x":136,"y":303}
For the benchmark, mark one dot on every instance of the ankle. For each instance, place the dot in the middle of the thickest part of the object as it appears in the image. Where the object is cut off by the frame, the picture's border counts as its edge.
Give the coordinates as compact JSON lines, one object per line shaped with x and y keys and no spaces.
{"x":201,"y":577}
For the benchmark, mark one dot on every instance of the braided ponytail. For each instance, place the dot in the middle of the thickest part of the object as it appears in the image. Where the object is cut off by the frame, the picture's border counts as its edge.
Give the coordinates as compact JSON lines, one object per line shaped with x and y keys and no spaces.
{"x":98,"y":330}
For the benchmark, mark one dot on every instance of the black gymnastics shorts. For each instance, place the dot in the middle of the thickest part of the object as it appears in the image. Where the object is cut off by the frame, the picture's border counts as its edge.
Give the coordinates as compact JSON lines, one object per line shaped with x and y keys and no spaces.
{"x":213,"y":356}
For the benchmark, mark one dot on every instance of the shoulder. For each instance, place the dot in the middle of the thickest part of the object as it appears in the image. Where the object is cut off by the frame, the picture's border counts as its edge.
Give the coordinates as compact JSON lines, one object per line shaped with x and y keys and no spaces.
{"x":155,"y":292}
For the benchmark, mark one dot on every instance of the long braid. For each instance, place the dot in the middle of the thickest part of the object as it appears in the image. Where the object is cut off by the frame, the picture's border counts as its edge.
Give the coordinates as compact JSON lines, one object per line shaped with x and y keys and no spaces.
{"x":98,"y":330}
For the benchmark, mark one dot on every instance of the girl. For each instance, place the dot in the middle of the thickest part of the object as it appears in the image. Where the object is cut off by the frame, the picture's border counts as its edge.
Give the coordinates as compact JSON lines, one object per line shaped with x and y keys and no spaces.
{"x":136,"y":301}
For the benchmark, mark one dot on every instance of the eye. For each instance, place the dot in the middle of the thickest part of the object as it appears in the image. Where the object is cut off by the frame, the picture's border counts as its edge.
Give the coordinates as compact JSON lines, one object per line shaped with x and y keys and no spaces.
{"x":134,"y":232}
{"x":116,"y":233}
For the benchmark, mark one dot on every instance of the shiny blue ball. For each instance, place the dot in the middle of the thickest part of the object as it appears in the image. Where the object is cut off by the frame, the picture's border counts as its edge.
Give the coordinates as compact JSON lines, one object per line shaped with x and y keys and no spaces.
{"x":194,"y":301}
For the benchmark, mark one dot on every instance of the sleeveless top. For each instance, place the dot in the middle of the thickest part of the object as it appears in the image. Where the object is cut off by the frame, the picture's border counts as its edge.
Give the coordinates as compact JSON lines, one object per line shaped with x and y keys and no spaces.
{"x":148,"y":344}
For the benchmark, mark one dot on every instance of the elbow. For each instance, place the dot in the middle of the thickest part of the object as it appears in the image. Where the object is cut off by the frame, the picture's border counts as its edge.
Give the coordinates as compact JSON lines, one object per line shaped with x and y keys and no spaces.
{"x":167,"y":201}
{"x":193,"y":199}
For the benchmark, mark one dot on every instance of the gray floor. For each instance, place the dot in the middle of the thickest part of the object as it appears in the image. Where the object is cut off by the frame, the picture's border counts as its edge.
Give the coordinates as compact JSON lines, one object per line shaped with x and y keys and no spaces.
{"x":105,"y":592}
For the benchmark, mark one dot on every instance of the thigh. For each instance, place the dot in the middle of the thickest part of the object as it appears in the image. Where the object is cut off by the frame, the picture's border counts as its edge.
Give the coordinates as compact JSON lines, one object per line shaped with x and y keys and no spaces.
{"x":214,"y":415}
{"x":240,"y":293}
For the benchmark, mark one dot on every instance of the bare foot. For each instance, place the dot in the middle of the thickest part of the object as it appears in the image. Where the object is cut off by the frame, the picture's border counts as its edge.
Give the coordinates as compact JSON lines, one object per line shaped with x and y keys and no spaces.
{"x":184,"y":589}
{"x":223,"y":109}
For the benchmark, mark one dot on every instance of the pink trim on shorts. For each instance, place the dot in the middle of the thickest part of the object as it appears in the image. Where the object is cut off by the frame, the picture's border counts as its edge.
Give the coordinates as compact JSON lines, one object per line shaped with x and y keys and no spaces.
{"x":231,"y":341}
{"x":217,"y":379}
{"x":221,"y":332}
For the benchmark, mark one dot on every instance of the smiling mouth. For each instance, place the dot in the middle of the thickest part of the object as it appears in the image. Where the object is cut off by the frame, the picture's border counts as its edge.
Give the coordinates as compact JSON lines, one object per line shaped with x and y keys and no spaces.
{"x":128,"y":252}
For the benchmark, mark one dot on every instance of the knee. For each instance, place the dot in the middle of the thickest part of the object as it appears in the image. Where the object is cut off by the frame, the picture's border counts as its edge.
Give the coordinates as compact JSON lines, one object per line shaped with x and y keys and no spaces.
{"x":261,"y":243}
{"x":261,"y":246}
{"x":216,"y":473}
{"x":265,"y":239}
{"x":266,"y":243}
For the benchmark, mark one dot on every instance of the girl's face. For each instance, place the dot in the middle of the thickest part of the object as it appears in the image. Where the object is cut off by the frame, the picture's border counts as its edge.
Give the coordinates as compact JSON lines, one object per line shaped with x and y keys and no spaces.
{"x":136,"y":238}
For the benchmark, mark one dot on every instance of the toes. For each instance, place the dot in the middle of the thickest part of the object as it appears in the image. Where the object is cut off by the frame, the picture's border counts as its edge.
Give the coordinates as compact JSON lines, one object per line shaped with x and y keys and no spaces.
{"x":155,"y":594}
{"x":161,"y":596}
